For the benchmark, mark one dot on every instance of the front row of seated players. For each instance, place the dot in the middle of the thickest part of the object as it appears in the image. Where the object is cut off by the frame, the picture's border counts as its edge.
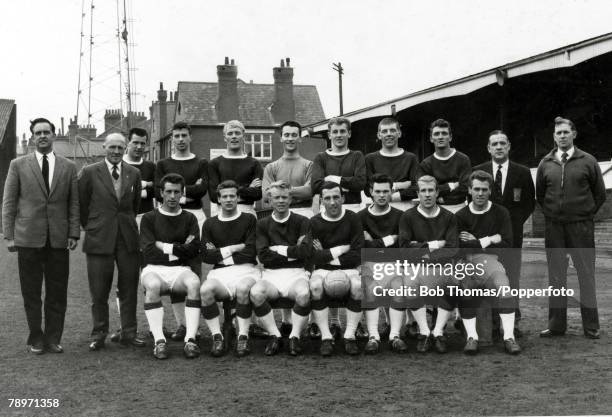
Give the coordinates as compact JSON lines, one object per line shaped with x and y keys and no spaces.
{"x":287,"y":243}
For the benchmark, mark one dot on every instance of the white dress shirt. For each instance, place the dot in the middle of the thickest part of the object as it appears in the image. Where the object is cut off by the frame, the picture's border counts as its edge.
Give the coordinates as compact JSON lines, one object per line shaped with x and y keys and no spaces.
{"x":51,"y":160}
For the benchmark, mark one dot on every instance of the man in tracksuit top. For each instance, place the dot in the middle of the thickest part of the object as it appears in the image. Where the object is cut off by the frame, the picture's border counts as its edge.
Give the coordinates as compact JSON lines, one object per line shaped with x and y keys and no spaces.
{"x":570,"y":189}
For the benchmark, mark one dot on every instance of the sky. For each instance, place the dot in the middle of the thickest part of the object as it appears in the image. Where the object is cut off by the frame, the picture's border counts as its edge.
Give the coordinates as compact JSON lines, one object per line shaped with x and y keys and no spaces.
{"x":388,"y":49}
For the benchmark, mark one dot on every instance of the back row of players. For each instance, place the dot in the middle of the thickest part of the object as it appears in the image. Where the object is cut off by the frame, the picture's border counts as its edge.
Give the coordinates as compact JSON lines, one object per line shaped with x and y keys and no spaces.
{"x":290,"y":245}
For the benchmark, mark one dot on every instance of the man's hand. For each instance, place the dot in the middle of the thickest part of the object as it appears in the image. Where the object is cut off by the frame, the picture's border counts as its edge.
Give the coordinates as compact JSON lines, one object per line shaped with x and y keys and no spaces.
{"x":199,"y":181}
{"x":236,"y":248}
{"x":10,"y":245}
{"x":72,"y":243}
{"x":333,"y":178}
{"x":159,"y":245}
{"x":496,"y":238}
{"x":255,"y":183}
{"x":189,"y":239}
{"x":316,"y":244}
{"x":465,"y":236}
{"x":344,"y":248}
{"x":301,"y":239}
{"x":367,"y":236}
{"x":453,"y":185}
{"x":210,"y":246}
{"x":401,"y":185}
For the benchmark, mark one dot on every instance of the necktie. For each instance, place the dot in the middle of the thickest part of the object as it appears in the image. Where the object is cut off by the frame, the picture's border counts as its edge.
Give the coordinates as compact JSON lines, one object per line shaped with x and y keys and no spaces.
{"x":45,"y":172}
{"x":498,"y":180}
{"x":115,"y":174}
{"x":564,"y":158}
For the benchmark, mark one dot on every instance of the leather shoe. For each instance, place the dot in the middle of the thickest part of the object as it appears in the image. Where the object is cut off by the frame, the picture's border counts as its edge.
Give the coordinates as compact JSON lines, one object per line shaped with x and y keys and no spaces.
{"x":96,"y":345}
{"x":471,"y":346}
{"x":242,"y":346}
{"x":36,"y":348}
{"x":440,"y":344}
{"x":327,"y":347}
{"x":54,"y":348}
{"x":218,"y":346}
{"x":179,"y":334}
{"x":295,"y":347}
{"x":115,"y":337}
{"x":551,"y":333}
{"x":591,"y":333}
{"x":512,"y":347}
{"x":134,"y":341}
{"x":423,"y":343}
{"x":350,"y":347}
{"x":273,"y":346}
{"x":313,"y":331}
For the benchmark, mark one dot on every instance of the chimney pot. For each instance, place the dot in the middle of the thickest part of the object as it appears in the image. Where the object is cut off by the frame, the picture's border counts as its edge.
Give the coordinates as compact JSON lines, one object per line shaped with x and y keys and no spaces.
{"x":288,"y":60}
{"x":282,"y":63}
{"x":226,"y":61}
{"x":232,"y":62}
{"x":161,"y":85}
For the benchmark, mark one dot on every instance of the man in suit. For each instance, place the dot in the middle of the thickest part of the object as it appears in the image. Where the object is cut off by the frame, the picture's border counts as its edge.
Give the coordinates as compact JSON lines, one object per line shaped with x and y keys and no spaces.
{"x":512,"y":188}
{"x":109,"y":196}
{"x":570,"y":190}
{"x":40,"y":220}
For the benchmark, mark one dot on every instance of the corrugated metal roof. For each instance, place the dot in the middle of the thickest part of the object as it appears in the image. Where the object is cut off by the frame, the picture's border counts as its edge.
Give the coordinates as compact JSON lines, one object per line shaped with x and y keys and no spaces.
{"x":566,"y":56}
{"x":6,"y":108}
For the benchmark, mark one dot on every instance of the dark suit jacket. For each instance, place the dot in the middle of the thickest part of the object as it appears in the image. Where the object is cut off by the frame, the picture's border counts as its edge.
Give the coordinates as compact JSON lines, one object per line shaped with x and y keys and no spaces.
{"x":518,"y":196}
{"x":29,"y":212}
{"x":103,"y":216}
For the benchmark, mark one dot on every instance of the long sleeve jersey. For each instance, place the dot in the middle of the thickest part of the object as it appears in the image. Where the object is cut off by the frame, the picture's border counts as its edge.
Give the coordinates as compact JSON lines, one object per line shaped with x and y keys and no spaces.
{"x":332,"y":233}
{"x":242,"y":170}
{"x":277,"y":242}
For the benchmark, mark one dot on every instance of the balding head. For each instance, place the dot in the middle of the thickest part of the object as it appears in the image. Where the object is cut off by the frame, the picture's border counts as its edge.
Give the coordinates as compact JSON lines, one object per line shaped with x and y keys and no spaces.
{"x":115,"y":145}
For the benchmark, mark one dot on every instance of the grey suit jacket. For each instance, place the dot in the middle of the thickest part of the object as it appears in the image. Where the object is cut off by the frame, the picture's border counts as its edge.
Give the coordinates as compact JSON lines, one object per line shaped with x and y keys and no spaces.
{"x":103,"y":216}
{"x":30,"y":214}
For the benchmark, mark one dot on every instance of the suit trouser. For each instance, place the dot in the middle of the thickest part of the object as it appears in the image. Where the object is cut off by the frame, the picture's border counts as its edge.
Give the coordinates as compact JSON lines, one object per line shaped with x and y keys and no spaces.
{"x":578,"y":240}
{"x":100,"y":269}
{"x":52,"y":264}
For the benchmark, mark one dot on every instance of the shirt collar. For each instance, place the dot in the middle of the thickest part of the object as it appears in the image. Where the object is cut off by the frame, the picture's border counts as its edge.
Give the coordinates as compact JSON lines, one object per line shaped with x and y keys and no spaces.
{"x":569,"y":152}
{"x":378,"y":214}
{"x":474,"y":211}
{"x":226,"y":156}
{"x":229,"y":219}
{"x":110,"y":166}
{"x":50,"y":156}
{"x":128,"y":161}
{"x":329,"y":219}
{"x":399,"y":152}
{"x":427,"y":215}
{"x":444,"y":158}
{"x":277,"y":220}
{"x":505,"y":166}
{"x":332,"y":153}
{"x":167,"y":213}
{"x":183,"y":158}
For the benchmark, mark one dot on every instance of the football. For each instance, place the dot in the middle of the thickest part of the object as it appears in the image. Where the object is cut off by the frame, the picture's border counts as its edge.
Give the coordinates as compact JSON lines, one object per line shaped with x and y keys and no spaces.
{"x":336,"y":284}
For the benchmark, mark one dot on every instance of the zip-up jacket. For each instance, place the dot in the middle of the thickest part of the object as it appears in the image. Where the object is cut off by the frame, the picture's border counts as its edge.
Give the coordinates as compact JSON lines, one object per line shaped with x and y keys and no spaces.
{"x":571,"y":192}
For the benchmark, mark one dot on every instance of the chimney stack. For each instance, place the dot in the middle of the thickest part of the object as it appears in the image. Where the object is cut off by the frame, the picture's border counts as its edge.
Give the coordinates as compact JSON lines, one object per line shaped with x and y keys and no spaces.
{"x":62,"y":132}
{"x":283,"y":108}
{"x":162,"y":94}
{"x":227,"y":97}
{"x":112,"y":120}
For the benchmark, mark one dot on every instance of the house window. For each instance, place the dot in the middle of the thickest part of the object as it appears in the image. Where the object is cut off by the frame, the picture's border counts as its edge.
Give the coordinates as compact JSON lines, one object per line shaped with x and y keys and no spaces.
{"x":258,"y":144}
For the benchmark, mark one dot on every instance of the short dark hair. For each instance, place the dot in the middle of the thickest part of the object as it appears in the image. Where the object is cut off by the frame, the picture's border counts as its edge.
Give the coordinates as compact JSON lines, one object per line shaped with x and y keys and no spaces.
{"x":225,"y":185}
{"x":388,"y":121}
{"x":330,"y":185}
{"x":481,"y":176}
{"x":381,"y":179}
{"x":138,"y":132}
{"x":172,"y":178}
{"x":339,"y":121}
{"x":561,"y":120}
{"x":41,"y":120}
{"x":442,"y":124}
{"x":291,"y":123}
{"x":181,"y":125}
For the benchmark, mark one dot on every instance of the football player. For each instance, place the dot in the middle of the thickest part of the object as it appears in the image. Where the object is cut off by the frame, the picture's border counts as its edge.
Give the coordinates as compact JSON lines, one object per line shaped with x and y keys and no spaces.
{"x":430,"y":232}
{"x":380,"y":229}
{"x":337,"y":241}
{"x":228,"y":243}
{"x":170,"y":242}
{"x":484,"y":228}
{"x":283,"y":247}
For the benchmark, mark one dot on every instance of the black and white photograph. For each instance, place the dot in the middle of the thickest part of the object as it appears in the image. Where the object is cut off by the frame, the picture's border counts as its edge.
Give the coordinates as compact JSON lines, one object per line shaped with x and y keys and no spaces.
{"x":276,"y":208}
